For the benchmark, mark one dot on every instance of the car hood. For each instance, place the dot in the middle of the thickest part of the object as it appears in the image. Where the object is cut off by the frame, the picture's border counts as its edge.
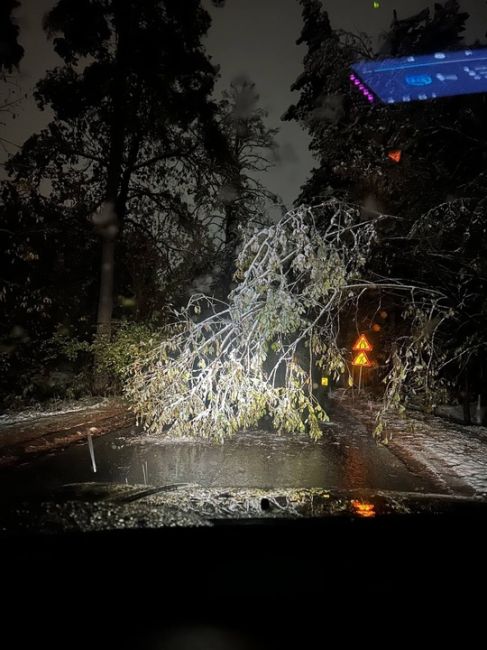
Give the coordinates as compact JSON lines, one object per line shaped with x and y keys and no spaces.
{"x":86,"y":507}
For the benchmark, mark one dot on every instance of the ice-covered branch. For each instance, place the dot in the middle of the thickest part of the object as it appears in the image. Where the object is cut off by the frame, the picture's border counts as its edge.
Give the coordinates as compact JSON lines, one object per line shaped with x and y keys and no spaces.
{"x":228,"y":365}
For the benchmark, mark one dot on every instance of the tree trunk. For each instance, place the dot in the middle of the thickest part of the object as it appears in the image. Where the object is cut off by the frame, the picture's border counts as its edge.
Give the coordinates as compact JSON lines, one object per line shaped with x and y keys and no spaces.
{"x":105,"y":309}
{"x":467,"y":417}
{"x":105,"y":303}
{"x":231,"y":243}
{"x":112,"y":211}
{"x":483,"y":397}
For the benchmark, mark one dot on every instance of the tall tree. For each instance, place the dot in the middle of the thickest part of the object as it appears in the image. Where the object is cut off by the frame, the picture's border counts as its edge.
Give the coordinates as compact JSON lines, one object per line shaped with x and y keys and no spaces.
{"x":351,"y":138}
{"x":423,"y":33}
{"x":449,"y":249}
{"x":11,"y":52}
{"x":238,"y":191}
{"x":444,"y":153}
{"x":251,"y":143}
{"x":131,"y":103}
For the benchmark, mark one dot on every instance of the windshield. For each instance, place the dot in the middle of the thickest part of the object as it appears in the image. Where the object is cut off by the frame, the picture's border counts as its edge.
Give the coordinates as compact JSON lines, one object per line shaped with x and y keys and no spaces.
{"x":243,"y":261}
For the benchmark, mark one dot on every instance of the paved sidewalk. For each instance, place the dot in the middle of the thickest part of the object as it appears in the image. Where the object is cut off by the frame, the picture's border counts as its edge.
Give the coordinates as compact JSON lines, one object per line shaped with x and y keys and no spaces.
{"x":455,"y":455}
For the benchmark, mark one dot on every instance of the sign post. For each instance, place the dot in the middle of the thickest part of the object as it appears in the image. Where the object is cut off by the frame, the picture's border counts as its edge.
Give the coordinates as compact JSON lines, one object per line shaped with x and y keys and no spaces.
{"x":362,"y":346}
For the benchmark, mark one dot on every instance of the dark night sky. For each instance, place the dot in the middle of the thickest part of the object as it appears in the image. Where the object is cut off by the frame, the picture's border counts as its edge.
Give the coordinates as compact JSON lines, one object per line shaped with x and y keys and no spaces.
{"x":248,"y":37}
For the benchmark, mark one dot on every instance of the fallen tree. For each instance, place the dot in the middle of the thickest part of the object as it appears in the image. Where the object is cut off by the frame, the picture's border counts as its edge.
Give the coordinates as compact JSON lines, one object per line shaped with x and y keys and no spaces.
{"x":226,"y":365}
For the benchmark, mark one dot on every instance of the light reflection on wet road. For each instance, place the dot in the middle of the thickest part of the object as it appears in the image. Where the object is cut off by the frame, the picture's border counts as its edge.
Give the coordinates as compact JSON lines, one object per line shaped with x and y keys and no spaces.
{"x":345,"y":458}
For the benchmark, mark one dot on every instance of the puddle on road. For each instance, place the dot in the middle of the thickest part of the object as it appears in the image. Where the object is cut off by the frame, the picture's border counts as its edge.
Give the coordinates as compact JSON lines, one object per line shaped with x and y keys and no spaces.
{"x":342,"y":459}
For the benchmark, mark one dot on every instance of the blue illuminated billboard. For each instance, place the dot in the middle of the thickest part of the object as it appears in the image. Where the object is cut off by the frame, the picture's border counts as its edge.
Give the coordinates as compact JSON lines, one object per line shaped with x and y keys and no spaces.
{"x":423,"y":77}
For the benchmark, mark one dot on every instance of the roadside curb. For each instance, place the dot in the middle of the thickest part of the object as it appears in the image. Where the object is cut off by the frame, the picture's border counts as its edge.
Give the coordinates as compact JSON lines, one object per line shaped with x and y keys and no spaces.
{"x":24,"y":442}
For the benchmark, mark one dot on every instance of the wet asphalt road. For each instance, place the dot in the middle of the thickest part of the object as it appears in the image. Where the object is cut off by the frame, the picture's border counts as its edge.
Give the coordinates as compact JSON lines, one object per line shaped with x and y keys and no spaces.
{"x":345,"y":458}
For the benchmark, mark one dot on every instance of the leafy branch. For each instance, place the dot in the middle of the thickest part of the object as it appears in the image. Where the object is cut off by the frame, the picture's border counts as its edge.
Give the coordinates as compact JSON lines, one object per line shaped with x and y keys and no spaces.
{"x":226,"y":365}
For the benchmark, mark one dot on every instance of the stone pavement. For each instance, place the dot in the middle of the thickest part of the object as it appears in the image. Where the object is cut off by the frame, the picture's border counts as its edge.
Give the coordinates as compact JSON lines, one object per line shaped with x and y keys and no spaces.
{"x":455,"y":455}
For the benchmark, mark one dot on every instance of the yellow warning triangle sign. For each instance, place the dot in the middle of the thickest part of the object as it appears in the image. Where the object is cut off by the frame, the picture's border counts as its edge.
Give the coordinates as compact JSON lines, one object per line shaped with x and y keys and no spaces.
{"x":362,"y":344}
{"x":361,"y":359}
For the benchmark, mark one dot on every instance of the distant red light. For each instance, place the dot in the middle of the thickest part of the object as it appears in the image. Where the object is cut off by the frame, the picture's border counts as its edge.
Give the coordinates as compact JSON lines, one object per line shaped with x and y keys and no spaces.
{"x":395,"y":155}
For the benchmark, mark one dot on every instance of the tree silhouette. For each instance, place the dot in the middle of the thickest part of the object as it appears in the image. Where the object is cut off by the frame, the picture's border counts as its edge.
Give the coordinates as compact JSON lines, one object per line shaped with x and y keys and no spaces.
{"x":11,"y":51}
{"x":441,"y":172}
{"x":131,"y":103}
